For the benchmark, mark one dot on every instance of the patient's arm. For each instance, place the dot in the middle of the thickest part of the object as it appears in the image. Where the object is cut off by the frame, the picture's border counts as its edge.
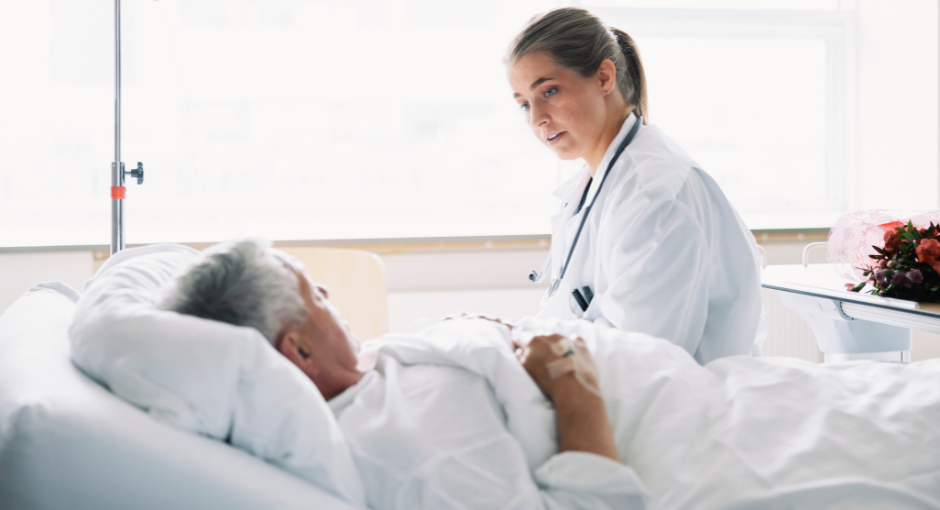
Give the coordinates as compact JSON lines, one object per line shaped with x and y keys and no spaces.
{"x":581,"y":414}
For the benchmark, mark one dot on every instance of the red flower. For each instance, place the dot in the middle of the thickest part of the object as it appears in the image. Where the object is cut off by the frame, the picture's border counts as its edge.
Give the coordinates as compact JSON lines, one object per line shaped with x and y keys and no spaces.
{"x":891,"y":225}
{"x":892,"y":240}
{"x":936,"y":266}
{"x":928,"y":251}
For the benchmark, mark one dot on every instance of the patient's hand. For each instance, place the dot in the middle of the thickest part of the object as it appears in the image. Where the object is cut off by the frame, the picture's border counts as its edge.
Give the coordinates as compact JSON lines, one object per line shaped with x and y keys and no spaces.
{"x":465,"y":315}
{"x":580,"y":411}
{"x":539,"y":353}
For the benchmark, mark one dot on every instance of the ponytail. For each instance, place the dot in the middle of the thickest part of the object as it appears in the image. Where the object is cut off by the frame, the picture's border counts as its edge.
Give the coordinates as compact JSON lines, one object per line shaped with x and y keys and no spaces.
{"x":578,"y":40}
{"x":634,"y":74}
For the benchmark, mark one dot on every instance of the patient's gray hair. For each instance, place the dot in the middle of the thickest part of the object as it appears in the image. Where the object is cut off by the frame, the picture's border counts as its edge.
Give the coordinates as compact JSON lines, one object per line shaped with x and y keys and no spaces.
{"x":246,"y":283}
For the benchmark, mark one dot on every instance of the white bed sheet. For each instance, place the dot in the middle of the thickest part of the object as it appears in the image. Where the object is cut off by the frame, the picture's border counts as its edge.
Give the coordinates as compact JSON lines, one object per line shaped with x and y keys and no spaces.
{"x":740,"y":432}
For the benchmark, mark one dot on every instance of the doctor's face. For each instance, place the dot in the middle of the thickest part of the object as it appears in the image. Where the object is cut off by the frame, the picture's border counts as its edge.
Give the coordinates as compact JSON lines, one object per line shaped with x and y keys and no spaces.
{"x":565,"y":110}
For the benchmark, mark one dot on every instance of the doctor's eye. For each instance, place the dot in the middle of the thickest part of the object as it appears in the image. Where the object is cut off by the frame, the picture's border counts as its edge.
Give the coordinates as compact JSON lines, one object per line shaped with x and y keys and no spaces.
{"x":551,"y":92}
{"x":524,"y":106}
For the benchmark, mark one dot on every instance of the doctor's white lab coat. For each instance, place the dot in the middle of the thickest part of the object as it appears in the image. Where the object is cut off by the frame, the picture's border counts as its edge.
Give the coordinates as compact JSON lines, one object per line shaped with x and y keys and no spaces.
{"x":663,"y":251}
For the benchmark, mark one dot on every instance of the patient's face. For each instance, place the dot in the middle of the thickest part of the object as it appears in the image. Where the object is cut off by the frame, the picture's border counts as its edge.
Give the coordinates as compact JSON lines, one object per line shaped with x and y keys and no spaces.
{"x":324,"y":348}
{"x":330,"y":334}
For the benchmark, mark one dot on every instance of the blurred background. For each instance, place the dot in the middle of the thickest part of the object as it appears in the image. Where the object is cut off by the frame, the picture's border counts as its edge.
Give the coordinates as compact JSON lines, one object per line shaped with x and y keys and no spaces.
{"x":390,"y":125}
{"x":384,"y":119}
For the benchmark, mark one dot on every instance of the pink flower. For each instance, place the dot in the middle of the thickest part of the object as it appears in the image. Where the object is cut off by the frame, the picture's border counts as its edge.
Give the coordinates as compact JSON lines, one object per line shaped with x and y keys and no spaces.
{"x":915,"y":276}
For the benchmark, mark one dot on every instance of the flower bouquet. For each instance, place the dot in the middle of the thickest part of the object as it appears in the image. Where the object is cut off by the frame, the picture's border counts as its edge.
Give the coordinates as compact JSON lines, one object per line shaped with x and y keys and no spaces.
{"x":907,"y":266}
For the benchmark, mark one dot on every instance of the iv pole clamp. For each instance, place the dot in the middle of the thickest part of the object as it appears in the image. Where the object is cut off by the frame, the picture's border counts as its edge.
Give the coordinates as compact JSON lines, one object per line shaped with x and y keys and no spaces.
{"x":117,"y":166}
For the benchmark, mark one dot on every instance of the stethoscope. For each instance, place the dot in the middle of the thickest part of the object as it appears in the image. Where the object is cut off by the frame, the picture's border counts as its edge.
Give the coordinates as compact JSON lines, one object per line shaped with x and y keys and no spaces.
{"x":584,"y":299}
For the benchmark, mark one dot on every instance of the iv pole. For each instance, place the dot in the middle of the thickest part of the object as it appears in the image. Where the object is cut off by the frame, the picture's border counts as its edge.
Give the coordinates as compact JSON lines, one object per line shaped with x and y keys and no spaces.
{"x":117,"y":167}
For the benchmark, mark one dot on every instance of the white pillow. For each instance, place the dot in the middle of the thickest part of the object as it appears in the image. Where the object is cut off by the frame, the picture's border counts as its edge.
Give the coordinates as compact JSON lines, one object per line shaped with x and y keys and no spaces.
{"x":223,"y":381}
{"x":66,"y":442}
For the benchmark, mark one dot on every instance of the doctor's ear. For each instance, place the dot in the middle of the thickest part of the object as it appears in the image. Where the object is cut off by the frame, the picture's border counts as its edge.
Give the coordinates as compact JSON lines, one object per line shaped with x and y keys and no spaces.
{"x":607,"y":76}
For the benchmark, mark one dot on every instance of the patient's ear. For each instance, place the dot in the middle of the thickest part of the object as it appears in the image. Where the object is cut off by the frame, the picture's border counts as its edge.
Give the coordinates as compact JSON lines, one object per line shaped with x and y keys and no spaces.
{"x":295,"y":349}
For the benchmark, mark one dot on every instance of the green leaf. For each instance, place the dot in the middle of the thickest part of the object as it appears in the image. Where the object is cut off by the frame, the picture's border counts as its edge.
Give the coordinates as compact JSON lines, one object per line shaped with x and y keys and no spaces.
{"x":909,"y":236}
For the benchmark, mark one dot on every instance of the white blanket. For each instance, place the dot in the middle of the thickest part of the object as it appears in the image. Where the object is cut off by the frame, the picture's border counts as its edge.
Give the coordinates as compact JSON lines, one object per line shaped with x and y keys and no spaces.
{"x":740,"y":432}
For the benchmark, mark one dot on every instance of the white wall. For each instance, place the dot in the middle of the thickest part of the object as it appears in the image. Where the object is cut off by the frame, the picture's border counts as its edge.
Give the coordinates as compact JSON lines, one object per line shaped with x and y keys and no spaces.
{"x":436,"y":284}
{"x":433,"y":286}
{"x":20,"y":271}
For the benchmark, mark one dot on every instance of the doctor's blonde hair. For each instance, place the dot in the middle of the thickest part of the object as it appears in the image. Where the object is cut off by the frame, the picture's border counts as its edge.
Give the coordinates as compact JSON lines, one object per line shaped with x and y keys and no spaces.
{"x":580,"y":41}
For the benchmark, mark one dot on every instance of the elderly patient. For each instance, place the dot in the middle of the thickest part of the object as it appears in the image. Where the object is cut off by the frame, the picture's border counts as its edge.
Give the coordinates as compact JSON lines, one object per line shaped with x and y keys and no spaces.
{"x":449,"y":418}
{"x":423,"y":436}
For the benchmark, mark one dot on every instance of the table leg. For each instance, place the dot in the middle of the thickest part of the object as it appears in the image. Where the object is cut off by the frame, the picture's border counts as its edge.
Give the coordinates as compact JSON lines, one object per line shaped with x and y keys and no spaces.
{"x":843,"y":338}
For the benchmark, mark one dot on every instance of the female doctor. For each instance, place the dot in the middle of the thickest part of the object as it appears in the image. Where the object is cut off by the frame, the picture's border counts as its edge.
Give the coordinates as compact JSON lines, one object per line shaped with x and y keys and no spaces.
{"x":645,"y":240}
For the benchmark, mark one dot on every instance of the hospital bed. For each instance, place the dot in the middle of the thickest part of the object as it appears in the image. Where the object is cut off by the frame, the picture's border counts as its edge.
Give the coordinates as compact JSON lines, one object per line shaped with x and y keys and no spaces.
{"x":67,"y":442}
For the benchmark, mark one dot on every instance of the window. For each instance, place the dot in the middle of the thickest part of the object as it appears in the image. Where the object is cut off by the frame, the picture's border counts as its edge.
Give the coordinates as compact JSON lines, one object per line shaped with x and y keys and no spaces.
{"x":758,"y":98}
{"x":365,"y":119}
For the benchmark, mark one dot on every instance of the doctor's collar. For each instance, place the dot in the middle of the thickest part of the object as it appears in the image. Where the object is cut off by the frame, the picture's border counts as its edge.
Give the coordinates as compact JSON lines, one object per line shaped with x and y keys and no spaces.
{"x":612,"y":148}
{"x":572,"y":189}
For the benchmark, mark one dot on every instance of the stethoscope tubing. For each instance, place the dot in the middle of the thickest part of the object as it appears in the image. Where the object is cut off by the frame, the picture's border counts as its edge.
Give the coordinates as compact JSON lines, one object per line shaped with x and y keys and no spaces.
{"x":538,"y":277}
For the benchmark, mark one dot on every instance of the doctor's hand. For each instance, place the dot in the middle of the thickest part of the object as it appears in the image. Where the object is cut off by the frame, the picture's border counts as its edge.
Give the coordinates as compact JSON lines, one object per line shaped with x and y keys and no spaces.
{"x":465,"y":315}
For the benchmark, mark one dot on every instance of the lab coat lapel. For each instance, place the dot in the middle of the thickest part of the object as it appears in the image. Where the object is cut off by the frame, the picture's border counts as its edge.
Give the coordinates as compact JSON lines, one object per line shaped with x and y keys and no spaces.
{"x":615,"y":144}
{"x":570,"y":191}
{"x":559,"y":305}
{"x":570,"y":194}
{"x":558,"y":242}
